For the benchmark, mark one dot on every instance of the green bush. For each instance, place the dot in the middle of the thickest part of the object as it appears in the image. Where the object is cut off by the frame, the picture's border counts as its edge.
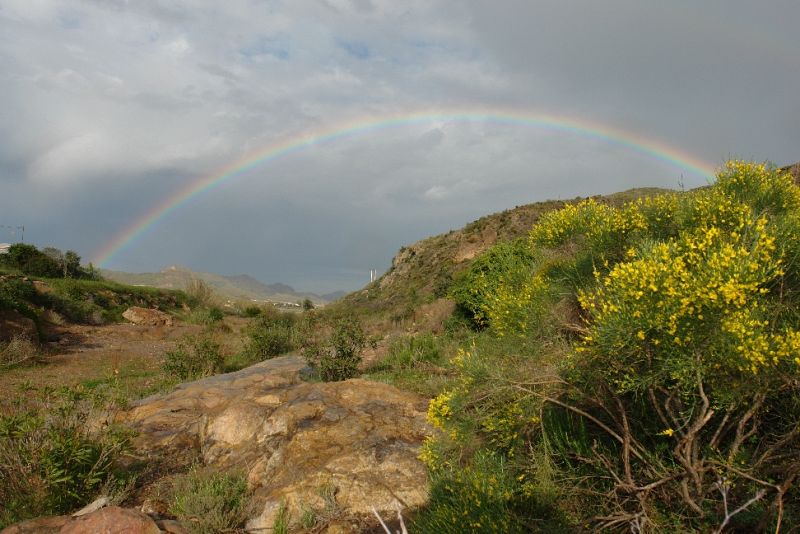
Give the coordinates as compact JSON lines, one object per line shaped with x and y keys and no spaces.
{"x":270,"y":335}
{"x":251,"y":311}
{"x":193,"y":358}
{"x":205,"y":315}
{"x":200,"y":293}
{"x":51,"y":464}
{"x":485,"y":496}
{"x":338,"y":355}
{"x":474,"y":289}
{"x":208,"y":502}
{"x":676,"y":404}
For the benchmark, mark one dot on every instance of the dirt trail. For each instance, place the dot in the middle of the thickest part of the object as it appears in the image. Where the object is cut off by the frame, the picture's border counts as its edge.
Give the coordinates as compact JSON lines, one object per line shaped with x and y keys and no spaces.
{"x":81,"y":354}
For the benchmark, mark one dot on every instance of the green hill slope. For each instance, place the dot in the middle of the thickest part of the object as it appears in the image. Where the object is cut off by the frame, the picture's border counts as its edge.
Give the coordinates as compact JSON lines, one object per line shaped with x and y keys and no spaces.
{"x":423,"y":271}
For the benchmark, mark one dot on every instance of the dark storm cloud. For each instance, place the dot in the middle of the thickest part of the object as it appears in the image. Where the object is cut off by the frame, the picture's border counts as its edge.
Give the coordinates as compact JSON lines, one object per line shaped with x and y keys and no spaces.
{"x":111,"y":106}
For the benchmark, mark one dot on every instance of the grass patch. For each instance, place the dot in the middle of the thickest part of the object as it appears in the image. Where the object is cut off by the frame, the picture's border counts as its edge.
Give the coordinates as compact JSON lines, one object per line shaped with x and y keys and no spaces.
{"x":418,"y":363}
{"x":208,"y":502}
{"x":52,"y":462}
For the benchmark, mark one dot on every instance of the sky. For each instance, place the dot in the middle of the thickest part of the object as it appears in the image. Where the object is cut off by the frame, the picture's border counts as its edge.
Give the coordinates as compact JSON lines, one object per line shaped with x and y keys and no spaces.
{"x":111,"y":109}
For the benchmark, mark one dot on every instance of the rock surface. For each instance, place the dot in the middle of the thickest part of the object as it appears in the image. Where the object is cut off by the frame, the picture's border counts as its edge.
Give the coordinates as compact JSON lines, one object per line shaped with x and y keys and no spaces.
{"x":147,"y":316}
{"x":338,"y":448}
{"x":111,"y":520}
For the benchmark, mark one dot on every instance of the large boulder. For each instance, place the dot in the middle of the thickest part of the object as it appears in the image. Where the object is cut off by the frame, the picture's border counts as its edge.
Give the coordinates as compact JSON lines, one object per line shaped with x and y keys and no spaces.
{"x":344,"y":446}
{"x":147,"y":316}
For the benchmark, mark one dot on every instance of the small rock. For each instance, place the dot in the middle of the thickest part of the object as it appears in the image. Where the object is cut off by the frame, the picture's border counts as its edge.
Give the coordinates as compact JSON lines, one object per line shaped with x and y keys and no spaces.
{"x":93,"y":507}
{"x":147,"y":317}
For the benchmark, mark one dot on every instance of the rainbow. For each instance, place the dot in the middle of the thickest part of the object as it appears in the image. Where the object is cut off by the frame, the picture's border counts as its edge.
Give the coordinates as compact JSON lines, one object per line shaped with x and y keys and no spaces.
{"x":557,"y":123}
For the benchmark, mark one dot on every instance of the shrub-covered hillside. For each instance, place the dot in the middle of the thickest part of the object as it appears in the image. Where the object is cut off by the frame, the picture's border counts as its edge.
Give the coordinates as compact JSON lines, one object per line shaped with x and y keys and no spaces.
{"x":34,"y":282}
{"x":637,"y":370}
{"x":425,"y":270}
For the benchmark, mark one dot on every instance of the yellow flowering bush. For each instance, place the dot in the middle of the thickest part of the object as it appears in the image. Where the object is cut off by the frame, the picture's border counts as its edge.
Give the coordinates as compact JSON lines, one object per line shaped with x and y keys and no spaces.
{"x":678,"y":397}
{"x":698,"y":303}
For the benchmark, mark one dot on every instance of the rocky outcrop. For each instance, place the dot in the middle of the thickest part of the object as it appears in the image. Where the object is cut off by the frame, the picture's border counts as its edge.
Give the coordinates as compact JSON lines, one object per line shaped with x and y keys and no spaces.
{"x":147,"y":317}
{"x":111,"y":520}
{"x":338,"y":448}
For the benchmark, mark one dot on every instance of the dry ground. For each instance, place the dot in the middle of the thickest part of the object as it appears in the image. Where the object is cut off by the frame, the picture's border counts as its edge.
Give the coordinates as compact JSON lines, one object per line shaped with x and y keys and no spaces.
{"x":126,"y":355}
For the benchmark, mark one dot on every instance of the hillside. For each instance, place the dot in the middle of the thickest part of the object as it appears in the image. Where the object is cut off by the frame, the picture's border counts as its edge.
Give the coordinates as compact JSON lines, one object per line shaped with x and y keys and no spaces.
{"x":422,"y":272}
{"x":238,"y":287}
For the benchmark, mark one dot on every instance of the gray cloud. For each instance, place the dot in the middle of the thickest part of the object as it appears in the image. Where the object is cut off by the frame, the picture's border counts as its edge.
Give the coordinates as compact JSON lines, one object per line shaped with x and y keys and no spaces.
{"x":112,"y":106}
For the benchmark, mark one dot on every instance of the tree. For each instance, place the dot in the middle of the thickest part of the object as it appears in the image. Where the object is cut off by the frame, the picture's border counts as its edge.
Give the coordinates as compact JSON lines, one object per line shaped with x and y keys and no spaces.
{"x":72,"y":264}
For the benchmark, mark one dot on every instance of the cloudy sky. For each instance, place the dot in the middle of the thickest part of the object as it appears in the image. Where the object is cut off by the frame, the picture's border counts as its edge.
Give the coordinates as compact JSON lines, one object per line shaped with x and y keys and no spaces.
{"x":111,"y":107}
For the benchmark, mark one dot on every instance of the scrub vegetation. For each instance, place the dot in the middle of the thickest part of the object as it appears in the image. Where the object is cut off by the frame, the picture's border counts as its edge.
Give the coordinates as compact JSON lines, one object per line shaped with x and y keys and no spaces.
{"x":637,"y":369}
{"x":626,"y":363}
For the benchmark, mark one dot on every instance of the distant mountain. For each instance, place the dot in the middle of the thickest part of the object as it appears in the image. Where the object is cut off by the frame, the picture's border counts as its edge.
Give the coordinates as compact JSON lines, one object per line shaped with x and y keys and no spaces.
{"x":238,"y":287}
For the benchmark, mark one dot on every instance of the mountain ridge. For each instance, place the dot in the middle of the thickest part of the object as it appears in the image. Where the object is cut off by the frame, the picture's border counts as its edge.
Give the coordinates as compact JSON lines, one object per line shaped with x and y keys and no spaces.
{"x":231,"y":287}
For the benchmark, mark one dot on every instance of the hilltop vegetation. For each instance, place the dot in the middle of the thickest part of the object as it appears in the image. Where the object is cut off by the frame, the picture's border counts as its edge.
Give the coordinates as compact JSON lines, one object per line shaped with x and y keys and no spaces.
{"x":50,"y":285}
{"x":424,"y":271}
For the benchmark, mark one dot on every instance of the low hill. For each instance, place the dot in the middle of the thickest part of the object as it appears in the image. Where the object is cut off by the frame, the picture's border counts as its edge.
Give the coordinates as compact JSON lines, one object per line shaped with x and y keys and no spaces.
{"x":238,"y":287}
{"x":422,"y":272}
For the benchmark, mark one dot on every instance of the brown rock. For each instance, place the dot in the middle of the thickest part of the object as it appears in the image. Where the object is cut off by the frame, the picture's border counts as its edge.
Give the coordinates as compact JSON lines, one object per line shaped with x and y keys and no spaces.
{"x":147,"y":316}
{"x":41,"y":525}
{"x":14,"y":324}
{"x":110,"y":520}
{"x":348,"y":445}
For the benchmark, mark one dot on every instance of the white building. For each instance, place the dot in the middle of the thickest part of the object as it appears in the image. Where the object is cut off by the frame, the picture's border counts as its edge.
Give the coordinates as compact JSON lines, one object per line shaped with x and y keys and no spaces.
{"x":4,"y":248}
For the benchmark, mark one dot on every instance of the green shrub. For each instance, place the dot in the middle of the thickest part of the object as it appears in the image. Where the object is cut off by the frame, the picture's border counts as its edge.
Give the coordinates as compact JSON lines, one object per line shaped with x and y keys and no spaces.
{"x":270,"y":335}
{"x":485,"y":496}
{"x":338,"y":355}
{"x":251,"y":311}
{"x":200,"y":293}
{"x":676,"y":405}
{"x":194,"y":357}
{"x":208,"y":502}
{"x":206,"y":315}
{"x":474,"y":289}
{"x":51,"y":464}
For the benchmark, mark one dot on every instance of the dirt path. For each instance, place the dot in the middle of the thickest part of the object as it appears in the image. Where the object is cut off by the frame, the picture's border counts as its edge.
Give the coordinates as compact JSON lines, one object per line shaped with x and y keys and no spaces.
{"x":87,"y":355}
